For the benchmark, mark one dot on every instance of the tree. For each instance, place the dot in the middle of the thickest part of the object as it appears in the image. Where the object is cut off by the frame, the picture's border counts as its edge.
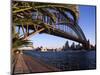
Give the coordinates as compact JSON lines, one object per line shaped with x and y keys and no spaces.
{"x":16,"y":42}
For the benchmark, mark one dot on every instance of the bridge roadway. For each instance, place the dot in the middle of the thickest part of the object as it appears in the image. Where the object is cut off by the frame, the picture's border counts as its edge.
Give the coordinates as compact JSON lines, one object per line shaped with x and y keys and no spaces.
{"x":27,"y":64}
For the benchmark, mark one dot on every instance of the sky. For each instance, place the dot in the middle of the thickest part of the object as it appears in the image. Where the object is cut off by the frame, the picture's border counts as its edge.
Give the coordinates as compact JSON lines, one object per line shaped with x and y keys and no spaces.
{"x":86,"y":22}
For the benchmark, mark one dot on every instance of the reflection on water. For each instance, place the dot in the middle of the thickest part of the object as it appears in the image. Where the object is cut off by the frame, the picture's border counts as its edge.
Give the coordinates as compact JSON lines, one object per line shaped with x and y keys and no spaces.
{"x":69,"y":60}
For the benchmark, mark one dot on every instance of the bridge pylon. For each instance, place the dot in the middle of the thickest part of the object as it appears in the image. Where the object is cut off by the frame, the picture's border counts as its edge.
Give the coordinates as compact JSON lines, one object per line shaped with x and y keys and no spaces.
{"x":86,"y":45}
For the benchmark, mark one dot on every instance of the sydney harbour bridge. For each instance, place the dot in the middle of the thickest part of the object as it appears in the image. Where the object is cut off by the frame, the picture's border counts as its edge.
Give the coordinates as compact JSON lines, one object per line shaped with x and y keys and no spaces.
{"x":54,"y":19}
{"x":30,"y":18}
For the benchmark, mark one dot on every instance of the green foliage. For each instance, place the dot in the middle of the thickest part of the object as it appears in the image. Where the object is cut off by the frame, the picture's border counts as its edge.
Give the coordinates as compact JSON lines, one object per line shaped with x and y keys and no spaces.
{"x":19,"y":42}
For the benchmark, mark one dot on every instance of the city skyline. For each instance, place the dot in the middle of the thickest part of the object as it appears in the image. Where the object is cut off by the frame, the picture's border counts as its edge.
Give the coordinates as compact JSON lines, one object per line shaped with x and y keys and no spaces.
{"x":86,"y":22}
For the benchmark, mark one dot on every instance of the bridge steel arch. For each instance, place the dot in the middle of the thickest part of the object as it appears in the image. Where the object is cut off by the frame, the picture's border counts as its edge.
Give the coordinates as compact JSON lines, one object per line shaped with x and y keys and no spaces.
{"x":73,"y":24}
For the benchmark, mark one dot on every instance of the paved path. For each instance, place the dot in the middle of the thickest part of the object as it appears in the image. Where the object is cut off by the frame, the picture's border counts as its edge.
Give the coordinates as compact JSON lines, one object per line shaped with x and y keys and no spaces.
{"x":27,"y":64}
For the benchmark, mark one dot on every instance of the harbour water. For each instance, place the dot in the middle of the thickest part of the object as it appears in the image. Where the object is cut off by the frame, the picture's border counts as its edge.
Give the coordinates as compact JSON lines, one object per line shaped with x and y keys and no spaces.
{"x":67,"y":60}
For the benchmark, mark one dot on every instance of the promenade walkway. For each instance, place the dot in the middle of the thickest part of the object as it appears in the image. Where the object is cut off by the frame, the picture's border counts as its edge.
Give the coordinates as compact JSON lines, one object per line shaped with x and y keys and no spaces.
{"x":27,"y":64}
